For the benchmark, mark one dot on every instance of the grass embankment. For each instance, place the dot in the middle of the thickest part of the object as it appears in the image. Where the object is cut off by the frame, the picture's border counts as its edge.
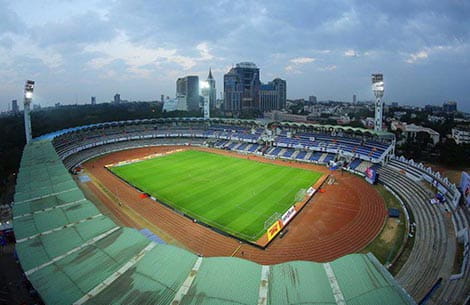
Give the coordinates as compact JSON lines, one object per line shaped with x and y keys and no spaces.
{"x":388,"y":243}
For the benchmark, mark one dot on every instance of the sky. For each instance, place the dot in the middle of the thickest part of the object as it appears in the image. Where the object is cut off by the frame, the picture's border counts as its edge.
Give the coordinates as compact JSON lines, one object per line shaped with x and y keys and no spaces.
{"x":138,"y":48}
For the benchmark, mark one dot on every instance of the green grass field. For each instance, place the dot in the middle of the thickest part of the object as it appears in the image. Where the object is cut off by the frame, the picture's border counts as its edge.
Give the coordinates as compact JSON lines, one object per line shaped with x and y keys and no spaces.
{"x":232,"y":194}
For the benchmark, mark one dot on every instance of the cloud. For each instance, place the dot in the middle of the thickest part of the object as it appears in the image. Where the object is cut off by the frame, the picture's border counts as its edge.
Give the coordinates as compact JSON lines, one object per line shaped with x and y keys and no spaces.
{"x":327,"y":68}
{"x":153,"y":42}
{"x":296,"y":62}
{"x":414,"y":57}
{"x":21,"y":47}
{"x":351,"y":53}
{"x":302,"y":60}
{"x":204,"y":51}
{"x":10,"y":22}
{"x":141,"y":59}
{"x":84,"y":28}
{"x":450,"y":50}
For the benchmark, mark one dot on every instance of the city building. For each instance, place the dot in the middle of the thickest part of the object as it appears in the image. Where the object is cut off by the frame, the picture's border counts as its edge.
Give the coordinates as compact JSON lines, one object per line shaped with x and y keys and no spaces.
{"x":208,"y":95}
{"x":280,"y":86}
{"x":212,"y":91}
{"x":93,"y":100}
{"x":411,"y":130}
{"x":449,"y":107}
{"x":280,"y":116}
{"x":436,"y":119}
{"x":432,"y":108}
{"x":219,"y":103}
{"x":181,"y":103}
{"x":14,"y":107}
{"x":187,"y":89}
{"x":272,"y":96}
{"x":312,"y":99}
{"x":268,"y":98}
{"x":117,"y":98}
{"x":170,"y":105}
{"x":461,"y":134}
{"x":243,"y":90}
{"x":354,"y":99}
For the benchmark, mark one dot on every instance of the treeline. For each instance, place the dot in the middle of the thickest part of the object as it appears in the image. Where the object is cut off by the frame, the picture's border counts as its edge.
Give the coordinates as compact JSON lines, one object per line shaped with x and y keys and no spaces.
{"x":446,"y":153}
{"x":48,"y":120}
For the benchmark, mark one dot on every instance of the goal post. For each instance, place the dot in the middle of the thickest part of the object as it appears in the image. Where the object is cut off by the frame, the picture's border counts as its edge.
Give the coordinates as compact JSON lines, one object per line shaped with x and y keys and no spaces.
{"x":273,"y":218}
{"x":300,"y":195}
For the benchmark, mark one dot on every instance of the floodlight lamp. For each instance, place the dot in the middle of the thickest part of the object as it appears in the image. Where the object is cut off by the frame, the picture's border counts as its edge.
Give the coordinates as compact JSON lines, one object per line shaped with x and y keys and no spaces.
{"x":28,"y":89}
{"x":378,"y":85}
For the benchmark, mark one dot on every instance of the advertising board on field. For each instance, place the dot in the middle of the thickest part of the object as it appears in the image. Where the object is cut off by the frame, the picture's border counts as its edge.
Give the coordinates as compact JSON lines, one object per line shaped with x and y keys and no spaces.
{"x":311,"y":191}
{"x":288,"y":215}
{"x":274,"y":229}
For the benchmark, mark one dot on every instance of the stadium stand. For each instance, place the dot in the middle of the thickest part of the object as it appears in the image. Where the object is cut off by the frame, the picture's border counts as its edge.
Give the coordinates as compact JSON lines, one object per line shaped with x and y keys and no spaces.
{"x":433,"y":251}
{"x":71,"y":141}
{"x":74,"y":255}
{"x":355,"y":163}
{"x":436,"y":227}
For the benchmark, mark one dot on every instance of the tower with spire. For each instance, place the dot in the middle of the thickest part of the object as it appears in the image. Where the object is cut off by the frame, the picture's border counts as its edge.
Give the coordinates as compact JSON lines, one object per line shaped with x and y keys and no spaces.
{"x":212,"y":91}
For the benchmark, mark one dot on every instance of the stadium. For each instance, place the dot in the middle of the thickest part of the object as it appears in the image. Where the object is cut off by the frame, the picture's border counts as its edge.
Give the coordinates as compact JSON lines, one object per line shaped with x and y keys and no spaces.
{"x":231,"y":211}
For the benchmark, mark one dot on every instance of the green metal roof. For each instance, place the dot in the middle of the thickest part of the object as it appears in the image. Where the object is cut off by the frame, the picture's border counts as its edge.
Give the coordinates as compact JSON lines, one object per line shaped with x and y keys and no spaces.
{"x":72,"y":254}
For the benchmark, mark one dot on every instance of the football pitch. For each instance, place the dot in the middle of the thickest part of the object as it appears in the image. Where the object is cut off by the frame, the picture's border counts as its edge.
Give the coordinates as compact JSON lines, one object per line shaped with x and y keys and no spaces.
{"x":232,"y":194}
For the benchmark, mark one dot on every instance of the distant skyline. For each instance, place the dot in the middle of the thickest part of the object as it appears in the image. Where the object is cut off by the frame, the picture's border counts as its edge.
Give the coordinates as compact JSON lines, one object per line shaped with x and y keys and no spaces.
{"x":324,"y":48}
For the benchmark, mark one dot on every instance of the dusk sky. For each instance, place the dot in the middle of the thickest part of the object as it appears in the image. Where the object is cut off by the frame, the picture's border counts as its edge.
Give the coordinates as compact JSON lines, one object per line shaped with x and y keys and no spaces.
{"x":325,"y":48}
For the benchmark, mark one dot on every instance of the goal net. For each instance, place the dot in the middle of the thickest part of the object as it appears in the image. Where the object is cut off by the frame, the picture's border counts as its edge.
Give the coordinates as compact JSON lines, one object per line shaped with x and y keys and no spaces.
{"x":300,"y":195}
{"x":274,"y":217}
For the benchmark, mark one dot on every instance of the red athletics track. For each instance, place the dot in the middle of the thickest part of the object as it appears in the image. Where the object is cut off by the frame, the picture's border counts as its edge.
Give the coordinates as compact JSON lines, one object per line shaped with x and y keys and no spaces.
{"x":342,"y":220}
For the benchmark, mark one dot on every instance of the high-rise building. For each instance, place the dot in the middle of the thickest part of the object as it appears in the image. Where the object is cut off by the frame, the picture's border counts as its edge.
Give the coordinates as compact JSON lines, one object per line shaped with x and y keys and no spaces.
{"x":93,"y":100}
{"x":312,"y":99}
{"x":244,"y":91}
{"x":212,"y":90}
{"x":187,"y":88}
{"x":354,"y":99}
{"x":280,"y":86}
{"x":268,"y":98}
{"x":14,"y":107}
{"x":117,"y":98}
{"x":272,"y":96}
{"x":241,"y":88}
{"x":449,"y":107}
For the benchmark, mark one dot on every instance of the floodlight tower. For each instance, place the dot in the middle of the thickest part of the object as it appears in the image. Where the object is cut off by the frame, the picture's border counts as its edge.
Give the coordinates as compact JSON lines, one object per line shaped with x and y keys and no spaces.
{"x":378,"y":89}
{"x":28,"y":97}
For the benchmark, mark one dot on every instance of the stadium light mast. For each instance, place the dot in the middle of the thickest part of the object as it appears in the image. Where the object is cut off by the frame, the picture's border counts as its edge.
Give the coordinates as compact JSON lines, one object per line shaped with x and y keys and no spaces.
{"x":378,"y":89}
{"x":28,"y":97}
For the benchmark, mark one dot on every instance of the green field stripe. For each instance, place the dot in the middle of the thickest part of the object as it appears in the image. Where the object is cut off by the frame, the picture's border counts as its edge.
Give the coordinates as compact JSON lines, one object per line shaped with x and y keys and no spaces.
{"x":233,"y":194}
{"x":234,"y":183}
{"x":213,"y":180}
{"x":272,"y":191}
